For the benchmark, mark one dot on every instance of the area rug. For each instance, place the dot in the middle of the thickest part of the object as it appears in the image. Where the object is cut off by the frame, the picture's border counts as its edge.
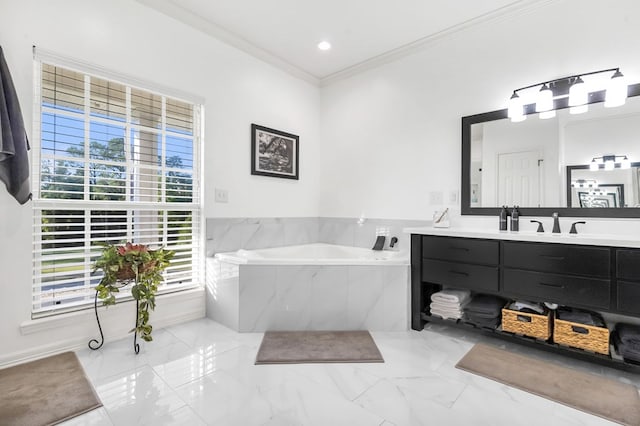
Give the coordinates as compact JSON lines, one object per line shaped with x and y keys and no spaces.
{"x":45,"y":392}
{"x":593,"y":394}
{"x":300,"y":347}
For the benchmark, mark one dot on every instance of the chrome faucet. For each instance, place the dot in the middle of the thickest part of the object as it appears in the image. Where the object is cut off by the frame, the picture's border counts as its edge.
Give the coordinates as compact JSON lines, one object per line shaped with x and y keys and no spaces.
{"x":556,"y":223}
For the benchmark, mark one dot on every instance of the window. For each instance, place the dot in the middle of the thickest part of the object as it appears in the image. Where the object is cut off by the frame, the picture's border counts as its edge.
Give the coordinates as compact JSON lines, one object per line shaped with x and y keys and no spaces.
{"x":112,"y":163}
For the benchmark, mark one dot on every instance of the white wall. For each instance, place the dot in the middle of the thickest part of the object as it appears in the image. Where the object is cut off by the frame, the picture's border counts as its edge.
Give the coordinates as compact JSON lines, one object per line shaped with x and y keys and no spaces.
{"x":127,"y":37}
{"x":391,"y":135}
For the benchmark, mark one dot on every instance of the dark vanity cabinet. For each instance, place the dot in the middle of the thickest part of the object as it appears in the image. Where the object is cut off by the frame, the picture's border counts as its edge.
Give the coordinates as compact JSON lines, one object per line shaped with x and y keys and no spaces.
{"x":628,"y":281}
{"x":604,"y":279}
{"x":570,"y":275}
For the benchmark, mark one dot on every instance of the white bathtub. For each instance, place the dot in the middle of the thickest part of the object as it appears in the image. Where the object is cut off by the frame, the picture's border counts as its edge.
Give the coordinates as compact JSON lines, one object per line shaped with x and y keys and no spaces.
{"x":315,"y":254}
{"x":309,"y":287}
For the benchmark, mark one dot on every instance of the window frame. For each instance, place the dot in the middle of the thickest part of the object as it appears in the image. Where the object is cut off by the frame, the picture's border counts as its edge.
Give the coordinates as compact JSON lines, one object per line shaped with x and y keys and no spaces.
{"x":40,"y":204}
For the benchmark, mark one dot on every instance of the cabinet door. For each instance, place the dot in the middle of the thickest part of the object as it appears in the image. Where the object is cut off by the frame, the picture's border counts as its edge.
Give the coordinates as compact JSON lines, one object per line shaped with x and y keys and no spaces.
{"x":460,"y":275}
{"x":628,"y":264}
{"x":563,"y":289}
{"x":468,"y":250}
{"x":559,"y":258}
{"x":629,"y":297}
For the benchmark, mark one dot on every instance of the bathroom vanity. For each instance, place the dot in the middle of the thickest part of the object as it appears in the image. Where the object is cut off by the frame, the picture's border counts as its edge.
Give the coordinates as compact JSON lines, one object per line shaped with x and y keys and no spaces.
{"x":583,"y":271}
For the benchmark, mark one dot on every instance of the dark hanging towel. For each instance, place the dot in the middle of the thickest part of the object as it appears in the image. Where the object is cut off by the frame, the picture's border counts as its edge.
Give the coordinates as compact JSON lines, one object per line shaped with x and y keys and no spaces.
{"x":14,"y":160}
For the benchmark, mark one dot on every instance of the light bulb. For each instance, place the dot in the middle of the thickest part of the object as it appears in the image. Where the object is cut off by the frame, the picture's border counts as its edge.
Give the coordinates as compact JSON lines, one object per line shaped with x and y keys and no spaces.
{"x":324,"y":45}
{"x":609,"y":165}
{"x":594,"y":166}
{"x":515,"y":110}
{"x":544,"y":101}
{"x":578,"y":109}
{"x":616,"y":91}
{"x":547,"y":114}
{"x":625,"y":163}
{"x":578,"y":93}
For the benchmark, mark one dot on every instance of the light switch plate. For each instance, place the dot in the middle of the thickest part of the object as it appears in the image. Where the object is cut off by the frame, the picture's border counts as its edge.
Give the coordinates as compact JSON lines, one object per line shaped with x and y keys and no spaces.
{"x":222,"y":195}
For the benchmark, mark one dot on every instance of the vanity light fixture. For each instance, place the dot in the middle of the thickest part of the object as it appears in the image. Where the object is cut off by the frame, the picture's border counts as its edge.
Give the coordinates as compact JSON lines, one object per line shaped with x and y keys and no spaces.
{"x":578,"y":96}
{"x":616,"y":91}
{"x":584,"y":183}
{"x":610,"y":162}
{"x":516,"y":111}
{"x":571,"y":91}
{"x":544,"y":101}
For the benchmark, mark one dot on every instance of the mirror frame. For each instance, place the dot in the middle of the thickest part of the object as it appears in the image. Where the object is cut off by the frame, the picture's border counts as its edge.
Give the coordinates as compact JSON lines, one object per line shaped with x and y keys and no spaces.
{"x":465,"y":197}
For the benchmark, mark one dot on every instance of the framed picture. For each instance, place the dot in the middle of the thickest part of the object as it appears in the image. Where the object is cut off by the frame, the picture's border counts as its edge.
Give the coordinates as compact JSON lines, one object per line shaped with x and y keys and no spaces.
{"x":598,"y":200}
{"x":274,"y":153}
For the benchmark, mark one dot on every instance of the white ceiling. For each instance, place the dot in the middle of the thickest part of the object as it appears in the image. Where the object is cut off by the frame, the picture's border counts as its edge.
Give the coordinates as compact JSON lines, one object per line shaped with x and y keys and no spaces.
{"x":363,"y":33}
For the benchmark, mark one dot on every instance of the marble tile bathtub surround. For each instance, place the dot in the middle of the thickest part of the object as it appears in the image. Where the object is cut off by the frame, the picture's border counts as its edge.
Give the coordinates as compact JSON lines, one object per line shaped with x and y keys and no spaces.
{"x":252,"y":298}
{"x":231,"y":234}
{"x":352,"y":232}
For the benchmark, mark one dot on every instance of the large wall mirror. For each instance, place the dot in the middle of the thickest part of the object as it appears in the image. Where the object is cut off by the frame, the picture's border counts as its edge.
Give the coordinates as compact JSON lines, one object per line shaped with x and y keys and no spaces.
{"x":543,"y":165}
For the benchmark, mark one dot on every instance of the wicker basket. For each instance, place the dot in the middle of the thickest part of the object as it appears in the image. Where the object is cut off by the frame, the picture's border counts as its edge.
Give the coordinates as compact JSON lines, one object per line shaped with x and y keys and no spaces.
{"x":588,"y":337}
{"x":523,"y":323}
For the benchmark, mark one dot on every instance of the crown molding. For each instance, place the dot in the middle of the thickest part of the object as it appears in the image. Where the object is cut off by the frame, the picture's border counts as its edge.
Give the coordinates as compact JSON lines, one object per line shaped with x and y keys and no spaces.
{"x":175,"y":11}
{"x":520,"y":7}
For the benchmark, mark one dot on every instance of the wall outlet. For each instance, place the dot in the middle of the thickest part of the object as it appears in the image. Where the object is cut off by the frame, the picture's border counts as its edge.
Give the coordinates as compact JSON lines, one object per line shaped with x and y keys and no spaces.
{"x":436,"y":198}
{"x":222,"y":195}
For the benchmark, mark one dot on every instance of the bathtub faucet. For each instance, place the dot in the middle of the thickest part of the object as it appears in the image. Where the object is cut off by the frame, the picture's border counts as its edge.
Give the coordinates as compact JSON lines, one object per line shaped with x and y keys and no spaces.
{"x":379,"y":242}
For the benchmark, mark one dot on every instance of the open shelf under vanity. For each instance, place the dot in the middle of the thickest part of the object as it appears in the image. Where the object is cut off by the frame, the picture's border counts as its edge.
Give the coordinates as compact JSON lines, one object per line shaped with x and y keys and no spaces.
{"x":596,"y":278}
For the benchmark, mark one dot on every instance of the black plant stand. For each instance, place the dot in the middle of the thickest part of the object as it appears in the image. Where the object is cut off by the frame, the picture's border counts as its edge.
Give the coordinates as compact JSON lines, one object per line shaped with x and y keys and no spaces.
{"x":94,"y":344}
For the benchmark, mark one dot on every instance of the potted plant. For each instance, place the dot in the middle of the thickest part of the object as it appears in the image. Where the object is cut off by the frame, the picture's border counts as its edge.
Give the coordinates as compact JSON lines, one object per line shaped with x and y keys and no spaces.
{"x":137,"y":264}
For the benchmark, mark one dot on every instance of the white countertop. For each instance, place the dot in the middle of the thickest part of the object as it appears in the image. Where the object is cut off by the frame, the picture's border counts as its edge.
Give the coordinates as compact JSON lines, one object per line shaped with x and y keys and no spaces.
{"x":541,"y":237}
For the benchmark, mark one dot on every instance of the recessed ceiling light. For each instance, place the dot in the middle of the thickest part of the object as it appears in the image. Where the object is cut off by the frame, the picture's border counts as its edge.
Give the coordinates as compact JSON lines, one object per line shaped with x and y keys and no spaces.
{"x":324,"y":45}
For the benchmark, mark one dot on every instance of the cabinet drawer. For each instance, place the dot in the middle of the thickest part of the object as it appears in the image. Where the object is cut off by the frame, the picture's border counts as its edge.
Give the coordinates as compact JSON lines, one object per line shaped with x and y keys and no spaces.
{"x":560,"y":258}
{"x":461,"y":249}
{"x":473,"y":277}
{"x":629,"y":297}
{"x":562,"y":289}
{"x":628,"y":264}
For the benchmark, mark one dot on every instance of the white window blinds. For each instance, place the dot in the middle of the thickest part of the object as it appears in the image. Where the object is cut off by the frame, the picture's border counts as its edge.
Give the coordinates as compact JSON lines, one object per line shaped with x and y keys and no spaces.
{"x":112,"y":163}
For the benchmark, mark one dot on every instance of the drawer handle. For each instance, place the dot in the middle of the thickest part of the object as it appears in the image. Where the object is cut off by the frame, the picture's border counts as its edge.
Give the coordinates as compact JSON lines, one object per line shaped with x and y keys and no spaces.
{"x":552,"y":285}
{"x":523,"y":318}
{"x":458,"y":248}
{"x":459,"y":273}
{"x":579,"y":330}
{"x":546,"y":256}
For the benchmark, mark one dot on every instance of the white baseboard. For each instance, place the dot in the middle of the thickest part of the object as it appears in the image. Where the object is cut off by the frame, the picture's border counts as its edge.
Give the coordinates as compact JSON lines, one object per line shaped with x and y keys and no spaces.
{"x":54,"y":331}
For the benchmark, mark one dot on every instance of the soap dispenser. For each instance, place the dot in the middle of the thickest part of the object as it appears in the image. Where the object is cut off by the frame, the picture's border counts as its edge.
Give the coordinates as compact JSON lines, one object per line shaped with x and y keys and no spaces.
{"x":515,"y":219}
{"x":503,"y":218}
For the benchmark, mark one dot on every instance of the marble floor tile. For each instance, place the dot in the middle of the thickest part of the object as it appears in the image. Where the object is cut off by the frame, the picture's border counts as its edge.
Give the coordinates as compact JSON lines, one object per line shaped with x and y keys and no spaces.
{"x":138,"y":397}
{"x":97,"y":417}
{"x":202,"y":373}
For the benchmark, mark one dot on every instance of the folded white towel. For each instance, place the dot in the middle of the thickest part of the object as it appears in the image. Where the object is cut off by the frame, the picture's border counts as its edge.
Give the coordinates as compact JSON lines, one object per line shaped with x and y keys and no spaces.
{"x":456,"y":312}
{"x":451,"y":295}
{"x":450,"y":305}
{"x":447,"y":315}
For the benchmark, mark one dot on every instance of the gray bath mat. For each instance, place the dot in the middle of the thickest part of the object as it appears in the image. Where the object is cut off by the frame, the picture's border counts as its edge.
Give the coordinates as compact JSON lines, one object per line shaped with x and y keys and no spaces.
{"x":607,"y":398}
{"x":299,"y":347}
{"x":45,"y":392}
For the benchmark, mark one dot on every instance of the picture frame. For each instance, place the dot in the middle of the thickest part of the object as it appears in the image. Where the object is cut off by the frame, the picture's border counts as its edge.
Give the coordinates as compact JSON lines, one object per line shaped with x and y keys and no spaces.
{"x":601,"y":200}
{"x":274,"y":153}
